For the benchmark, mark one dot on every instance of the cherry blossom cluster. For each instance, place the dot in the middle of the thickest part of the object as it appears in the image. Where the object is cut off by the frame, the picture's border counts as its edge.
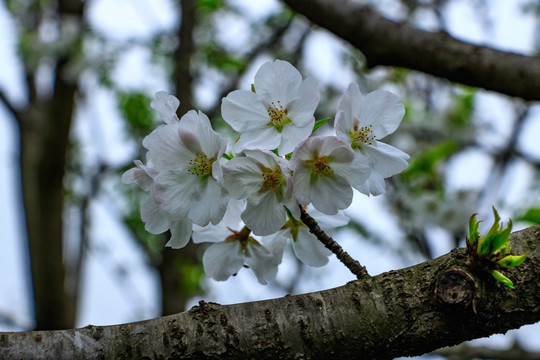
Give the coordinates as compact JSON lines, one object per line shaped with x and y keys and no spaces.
{"x":245,"y":196}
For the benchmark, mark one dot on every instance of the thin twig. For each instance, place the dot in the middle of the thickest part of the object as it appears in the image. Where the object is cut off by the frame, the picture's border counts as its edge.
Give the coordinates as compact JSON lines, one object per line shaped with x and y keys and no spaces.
{"x":353,"y":265}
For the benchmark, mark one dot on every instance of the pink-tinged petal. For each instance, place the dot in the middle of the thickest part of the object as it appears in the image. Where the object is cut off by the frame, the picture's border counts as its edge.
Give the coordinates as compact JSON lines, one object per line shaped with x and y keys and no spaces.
{"x":262,"y":263}
{"x":243,"y":111}
{"x":277,"y":81}
{"x":180,"y":234}
{"x":293,"y":135}
{"x":222,"y":260}
{"x":165,"y":149}
{"x":330,"y":194}
{"x":197,"y":135}
{"x":302,"y":108}
{"x":208,"y":202}
{"x":265,"y":217}
{"x":155,"y":221}
{"x":387,"y":160}
{"x":166,"y":105}
{"x":265,"y":138}
{"x":138,"y":176}
{"x":381,"y":110}
{"x":309,"y":249}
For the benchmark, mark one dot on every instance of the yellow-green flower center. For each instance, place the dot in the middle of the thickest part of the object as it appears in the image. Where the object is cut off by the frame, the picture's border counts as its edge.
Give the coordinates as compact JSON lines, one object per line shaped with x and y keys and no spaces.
{"x":201,"y":165}
{"x":272,"y":180}
{"x":319,"y":166}
{"x":361,"y":135}
{"x":278,"y":116}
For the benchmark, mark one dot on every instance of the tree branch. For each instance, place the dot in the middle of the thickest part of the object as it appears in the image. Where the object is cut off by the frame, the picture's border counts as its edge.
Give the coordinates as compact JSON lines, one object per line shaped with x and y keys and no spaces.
{"x":385,"y":42}
{"x":468,"y":352}
{"x":9,"y":106}
{"x":354,"y":266}
{"x":389,"y":315}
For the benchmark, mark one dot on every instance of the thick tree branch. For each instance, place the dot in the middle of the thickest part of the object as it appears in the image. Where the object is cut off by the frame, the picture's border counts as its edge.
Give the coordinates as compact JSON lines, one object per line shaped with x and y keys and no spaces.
{"x":9,"y":106}
{"x":385,"y":42}
{"x":468,"y":352}
{"x":389,"y":315}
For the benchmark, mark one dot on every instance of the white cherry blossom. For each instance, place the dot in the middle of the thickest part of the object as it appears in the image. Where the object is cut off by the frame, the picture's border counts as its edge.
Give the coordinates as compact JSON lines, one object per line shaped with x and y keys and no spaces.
{"x":279,"y":114}
{"x":264,"y":180}
{"x":361,"y":121}
{"x":187,"y":156}
{"x":323,"y":171}
{"x":233,"y":248}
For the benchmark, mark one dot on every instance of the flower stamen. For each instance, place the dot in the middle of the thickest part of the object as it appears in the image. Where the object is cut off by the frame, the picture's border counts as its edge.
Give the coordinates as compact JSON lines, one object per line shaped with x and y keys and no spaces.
{"x":319,"y":166}
{"x":272,"y":180}
{"x":361,"y":136}
{"x":278,"y":116}
{"x":201,"y":165}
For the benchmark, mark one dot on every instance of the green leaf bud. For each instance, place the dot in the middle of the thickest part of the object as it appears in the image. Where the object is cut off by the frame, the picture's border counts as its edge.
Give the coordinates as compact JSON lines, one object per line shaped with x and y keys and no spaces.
{"x":511,"y":261}
{"x":501,"y":278}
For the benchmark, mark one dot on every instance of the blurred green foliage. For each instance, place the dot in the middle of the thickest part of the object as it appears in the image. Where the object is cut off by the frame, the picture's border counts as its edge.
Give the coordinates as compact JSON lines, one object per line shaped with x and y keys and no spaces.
{"x":135,"y":108}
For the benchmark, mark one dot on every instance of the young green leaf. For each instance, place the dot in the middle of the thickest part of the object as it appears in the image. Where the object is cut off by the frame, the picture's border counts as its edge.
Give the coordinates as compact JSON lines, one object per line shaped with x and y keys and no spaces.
{"x":511,"y":261}
{"x":501,"y":278}
{"x":320,"y":123}
{"x":473,"y":230}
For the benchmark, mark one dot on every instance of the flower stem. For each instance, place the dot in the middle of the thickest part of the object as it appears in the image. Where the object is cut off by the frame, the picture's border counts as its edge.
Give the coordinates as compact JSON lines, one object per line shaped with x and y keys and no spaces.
{"x":353,"y":265}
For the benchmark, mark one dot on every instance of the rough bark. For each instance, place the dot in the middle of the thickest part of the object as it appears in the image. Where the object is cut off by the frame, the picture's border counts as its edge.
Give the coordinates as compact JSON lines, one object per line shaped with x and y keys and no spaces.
{"x":393,"y":314}
{"x":385,"y":42}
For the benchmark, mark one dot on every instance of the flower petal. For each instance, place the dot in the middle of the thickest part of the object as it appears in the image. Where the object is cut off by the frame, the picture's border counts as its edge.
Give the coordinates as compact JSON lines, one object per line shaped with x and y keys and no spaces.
{"x":155,"y":221}
{"x":387,"y":160}
{"x":221,"y":260}
{"x":381,"y":110}
{"x":302,"y":108}
{"x":266,"y":216}
{"x":180,"y":234}
{"x":173,"y":190}
{"x":309,"y":249}
{"x":276,"y":243}
{"x":374,"y":185}
{"x":242,"y":177}
{"x":243,"y":111}
{"x":278,"y":81}
{"x":293,"y":135}
{"x":265,"y":138}
{"x":330,"y":194}
{"x":263,"y":264}
{"x":208,"y":203}
{"x":166,"y":105}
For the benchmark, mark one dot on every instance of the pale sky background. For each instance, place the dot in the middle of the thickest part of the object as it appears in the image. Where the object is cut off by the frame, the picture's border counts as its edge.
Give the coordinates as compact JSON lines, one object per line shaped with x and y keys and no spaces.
{"x":109,"y":298}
